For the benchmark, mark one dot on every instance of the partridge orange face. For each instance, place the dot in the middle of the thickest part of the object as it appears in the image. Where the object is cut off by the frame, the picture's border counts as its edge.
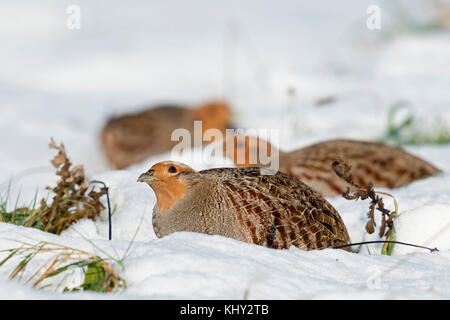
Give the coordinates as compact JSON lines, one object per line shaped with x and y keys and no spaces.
{"x":214,"y":115}
{"x":245,"y":151}
{"x":164,"y":178}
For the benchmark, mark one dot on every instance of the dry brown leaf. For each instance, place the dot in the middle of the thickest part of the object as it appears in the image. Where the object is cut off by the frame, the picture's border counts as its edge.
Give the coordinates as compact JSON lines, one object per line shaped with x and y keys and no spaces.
{"x":58,"y":160}
{"x":52,"y":144}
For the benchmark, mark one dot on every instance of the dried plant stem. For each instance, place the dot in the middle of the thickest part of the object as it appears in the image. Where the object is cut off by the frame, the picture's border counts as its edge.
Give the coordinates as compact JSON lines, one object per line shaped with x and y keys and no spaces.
{"x":71,"y":201}
{"x":99,"y":276}
{"x":343,"y":170}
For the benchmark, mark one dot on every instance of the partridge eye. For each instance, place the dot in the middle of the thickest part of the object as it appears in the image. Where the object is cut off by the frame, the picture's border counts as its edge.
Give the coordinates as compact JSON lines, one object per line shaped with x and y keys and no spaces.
{"x":172,"y":169}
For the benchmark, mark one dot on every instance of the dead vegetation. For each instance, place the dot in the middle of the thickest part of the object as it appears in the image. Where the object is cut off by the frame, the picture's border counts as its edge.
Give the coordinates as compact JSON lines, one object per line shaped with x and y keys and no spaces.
{"x":99,"y":273}
{"x":71,"y":200}
{"x":343,"y":170}
{"x":387,"y":230}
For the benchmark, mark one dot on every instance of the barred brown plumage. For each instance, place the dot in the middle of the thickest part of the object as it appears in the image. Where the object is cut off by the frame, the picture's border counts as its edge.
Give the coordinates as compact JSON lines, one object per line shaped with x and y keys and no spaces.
{"x":382,"y":165}
{"x":133,"y":137}
{"x":247,"y":204}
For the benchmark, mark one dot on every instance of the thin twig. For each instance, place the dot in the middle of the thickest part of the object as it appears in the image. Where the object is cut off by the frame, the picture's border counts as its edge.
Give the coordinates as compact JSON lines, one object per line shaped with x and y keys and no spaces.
{"x":109,"y":206}
{"x":385,"y":241}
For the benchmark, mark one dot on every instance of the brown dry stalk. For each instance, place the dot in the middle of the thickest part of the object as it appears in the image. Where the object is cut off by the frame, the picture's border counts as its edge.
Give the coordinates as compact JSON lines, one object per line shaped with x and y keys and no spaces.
{"x":71,"y":201}
{"x":52,"y":267}
{"x":343,"y":170}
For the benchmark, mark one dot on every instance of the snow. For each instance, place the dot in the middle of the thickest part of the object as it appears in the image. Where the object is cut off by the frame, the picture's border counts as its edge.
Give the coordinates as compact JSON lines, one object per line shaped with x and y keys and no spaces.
{"x":62,"y":83}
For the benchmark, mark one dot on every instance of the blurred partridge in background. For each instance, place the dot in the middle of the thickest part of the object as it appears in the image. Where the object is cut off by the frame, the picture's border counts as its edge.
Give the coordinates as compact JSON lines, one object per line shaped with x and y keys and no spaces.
{"x":272,"y":210}
{"x":132,"y":138}
{"x":382,"y":165}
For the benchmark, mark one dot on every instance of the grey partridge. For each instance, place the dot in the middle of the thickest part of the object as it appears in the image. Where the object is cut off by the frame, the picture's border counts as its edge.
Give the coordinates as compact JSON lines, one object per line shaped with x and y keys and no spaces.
{"x":380,"y":164}
{"x":132,"y":138}
{"x":273,"y":210}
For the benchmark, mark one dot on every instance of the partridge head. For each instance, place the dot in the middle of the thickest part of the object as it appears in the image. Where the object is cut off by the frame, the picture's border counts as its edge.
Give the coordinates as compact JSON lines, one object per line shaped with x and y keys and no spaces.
{"x":214,"y":115}
{"x":166,"y":179}
{"x":249,"y":151}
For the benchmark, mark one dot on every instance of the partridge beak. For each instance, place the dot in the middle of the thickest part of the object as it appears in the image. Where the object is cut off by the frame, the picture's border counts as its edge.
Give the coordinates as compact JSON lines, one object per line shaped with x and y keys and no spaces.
{"x":147,"y":176}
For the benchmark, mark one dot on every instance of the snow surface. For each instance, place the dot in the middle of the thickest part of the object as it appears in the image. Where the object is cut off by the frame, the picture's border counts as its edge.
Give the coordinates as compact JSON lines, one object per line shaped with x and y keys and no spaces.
{"x":62,"y":83}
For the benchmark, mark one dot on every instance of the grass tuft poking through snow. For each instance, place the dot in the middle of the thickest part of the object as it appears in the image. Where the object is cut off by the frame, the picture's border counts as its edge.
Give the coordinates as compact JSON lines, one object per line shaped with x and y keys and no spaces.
{"x":99,"y":274}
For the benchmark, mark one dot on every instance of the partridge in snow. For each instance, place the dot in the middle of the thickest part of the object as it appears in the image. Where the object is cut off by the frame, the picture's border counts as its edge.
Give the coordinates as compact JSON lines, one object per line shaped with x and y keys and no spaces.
{"x":132,"y":138}
{"x":382,"y":165}
{"x":248,"y":204}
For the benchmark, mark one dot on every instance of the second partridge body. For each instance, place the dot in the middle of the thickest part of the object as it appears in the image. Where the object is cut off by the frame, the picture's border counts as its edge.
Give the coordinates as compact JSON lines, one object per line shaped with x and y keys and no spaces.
{"x":272,"y":210}
{"x":382,"y":165}
{"x":133,"y":137}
